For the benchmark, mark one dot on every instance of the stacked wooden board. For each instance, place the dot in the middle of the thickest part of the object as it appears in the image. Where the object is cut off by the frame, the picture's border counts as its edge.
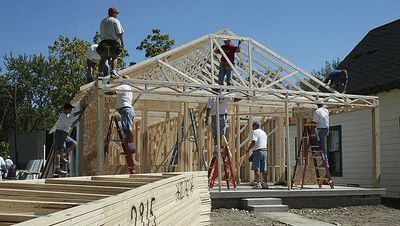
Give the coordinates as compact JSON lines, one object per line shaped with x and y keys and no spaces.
{"x":141,"y":199}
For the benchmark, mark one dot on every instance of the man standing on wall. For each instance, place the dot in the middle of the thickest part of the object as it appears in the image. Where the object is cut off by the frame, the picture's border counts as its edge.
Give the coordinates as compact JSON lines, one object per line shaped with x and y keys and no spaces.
{"x":112,"y":42}
{"x":321,"y":120}
{"x":224,"y":67}
{"x":259,"y":147}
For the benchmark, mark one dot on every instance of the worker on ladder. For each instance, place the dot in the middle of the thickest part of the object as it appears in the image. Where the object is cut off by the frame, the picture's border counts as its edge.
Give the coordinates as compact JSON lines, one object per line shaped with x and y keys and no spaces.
{"x":212,"y":110}
{"x":321,"y":121}
{"x":63,"y":143}
{"x":125,"y":108}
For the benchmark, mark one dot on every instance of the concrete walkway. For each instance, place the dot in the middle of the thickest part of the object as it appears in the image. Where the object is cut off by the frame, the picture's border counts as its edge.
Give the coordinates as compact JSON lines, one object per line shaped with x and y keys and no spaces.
{"x":295,"y":219}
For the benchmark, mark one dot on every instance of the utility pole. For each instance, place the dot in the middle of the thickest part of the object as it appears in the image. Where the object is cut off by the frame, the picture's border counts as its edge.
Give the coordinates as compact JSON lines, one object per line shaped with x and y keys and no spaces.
{"x":15,"y":125}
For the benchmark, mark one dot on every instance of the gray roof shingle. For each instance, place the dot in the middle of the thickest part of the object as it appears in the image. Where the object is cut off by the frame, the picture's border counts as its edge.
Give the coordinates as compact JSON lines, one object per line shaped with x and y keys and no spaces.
{"x":374,"y":64}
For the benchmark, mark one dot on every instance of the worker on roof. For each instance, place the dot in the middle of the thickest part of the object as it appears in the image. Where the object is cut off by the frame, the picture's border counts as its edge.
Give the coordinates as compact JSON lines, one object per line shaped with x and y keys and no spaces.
{"x":224,"y":68}
{"x":112,"y":42}
{"x":337,"y":80}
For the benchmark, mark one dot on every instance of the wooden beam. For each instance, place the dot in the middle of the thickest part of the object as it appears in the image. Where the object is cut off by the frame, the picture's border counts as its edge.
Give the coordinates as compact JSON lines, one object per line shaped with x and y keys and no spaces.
{"x":376,"y":148}
{"x":281,"y":149}
{"x":100,"y":129}
{"x":237,"y":146}
{"x":287,"y":147}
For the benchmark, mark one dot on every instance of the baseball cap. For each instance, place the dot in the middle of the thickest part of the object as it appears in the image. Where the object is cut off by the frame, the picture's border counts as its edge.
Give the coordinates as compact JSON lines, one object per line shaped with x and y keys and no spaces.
{"x":257,"y":122}
{"x":68,"y":106}
{"x":227,"y":40}
{"x":113,"y":10}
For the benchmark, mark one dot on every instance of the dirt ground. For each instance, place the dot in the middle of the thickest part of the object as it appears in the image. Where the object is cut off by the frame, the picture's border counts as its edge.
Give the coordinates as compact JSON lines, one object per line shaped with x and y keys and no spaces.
{"x":228,"y":217}
{"x":343,"y":216}
{"x":354,"y":215}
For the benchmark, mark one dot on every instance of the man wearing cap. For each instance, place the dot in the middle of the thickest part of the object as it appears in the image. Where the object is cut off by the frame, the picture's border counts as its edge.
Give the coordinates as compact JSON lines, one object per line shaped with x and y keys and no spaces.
{"x":224,"y":67}
{"x":93,"y":59}
{"x":63,"y":144}
{"x":112,"y":42}
{"x":259,"y":147}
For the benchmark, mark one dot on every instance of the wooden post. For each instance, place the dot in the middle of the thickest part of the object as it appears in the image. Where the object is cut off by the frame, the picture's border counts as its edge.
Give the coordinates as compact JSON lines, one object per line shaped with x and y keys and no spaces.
{"x":186,"y":152}
{"x":144,"y":153}
{"x":201,"y":138}
{"x":281,"y":149}
{"x":237,"y":144}
{"x":287,"y":145}
{"x":273,"y":151}
{"x":249,"y":134}
{"x":180,"y":144}
{"x":100,"y":129}
{"x":376,"y":148}
{"x":218,"y":144}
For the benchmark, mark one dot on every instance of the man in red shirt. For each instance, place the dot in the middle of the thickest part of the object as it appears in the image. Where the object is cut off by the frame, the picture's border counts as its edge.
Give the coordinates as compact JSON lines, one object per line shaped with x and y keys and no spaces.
{"x":224,"y":67}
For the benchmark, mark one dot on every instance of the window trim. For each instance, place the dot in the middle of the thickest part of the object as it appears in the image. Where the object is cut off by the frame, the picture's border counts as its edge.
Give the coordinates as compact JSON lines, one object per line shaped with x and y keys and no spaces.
{"x":339,"y":129}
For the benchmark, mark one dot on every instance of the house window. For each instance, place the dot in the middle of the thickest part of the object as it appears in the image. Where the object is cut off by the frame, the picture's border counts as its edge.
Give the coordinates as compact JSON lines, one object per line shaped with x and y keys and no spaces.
{"x":335,"y":150}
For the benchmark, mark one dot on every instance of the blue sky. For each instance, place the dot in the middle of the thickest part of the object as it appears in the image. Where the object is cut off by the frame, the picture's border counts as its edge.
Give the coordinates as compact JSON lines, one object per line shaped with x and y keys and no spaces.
{"x":306,"y":32}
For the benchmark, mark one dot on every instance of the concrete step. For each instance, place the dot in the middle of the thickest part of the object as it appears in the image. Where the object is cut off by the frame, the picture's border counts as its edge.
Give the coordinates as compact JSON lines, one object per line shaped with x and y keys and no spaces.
{"x":268,"y":208}
{"x":261,"y":201}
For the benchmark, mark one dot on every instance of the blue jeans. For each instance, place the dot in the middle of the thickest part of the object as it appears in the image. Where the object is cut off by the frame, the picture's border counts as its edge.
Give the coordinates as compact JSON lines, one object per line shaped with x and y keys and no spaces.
{"x":60,"y":142}
{"x":127,"y":117}
{"x":323,"y":134}
{"x":259,"y":161}
{"x":221,"y":76}
{"x":222,"y":125}
{"x":91,"y":68}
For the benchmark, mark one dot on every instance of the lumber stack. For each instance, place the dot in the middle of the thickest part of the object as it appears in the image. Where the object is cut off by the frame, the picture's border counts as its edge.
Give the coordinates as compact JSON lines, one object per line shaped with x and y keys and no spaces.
{"x":140,"y":199}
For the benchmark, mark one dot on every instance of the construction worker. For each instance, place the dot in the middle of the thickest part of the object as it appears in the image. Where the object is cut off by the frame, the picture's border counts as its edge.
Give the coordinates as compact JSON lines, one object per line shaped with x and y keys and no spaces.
{"x":337,"y":80}
{"x":127,"y":112}
{"x":212,"y":110}
{"x":64,"y":144}
{"x":9,"y":166}
{"x":321,"y":120}
{"x":112,"y":42}
{"x":2,"y":168}
{"x":92,"y":60}
{"x":259,"y":147}
{"x":224,"y":67}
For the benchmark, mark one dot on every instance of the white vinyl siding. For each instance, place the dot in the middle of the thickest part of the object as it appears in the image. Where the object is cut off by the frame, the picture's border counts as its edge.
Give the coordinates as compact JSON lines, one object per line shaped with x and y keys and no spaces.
{"x":356,"y":147}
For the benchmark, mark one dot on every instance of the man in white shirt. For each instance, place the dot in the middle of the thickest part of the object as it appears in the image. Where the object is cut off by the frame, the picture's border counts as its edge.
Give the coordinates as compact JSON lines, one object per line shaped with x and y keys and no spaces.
{"x":259,"y":147}
{"x":127,"y":112}
{"x":64,"y":144}
{"x":9,"y":165}
{"x":321,"y":120}
{"x":112,"y":42}
{"x":93,"y":59}
{"x":2,"y":167}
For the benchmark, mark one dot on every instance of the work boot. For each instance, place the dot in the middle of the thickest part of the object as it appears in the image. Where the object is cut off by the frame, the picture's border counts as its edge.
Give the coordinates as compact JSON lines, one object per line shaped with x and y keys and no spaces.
{"x":264,"y":185}
{"x":63,"y":158}
{"x":114,"y":74}
{"x":60,"y":171}
{"x":257,"y":186}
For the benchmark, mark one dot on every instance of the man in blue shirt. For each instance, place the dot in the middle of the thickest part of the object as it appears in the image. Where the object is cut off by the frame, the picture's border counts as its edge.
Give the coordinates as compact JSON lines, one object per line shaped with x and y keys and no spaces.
{"x":337,"y":80}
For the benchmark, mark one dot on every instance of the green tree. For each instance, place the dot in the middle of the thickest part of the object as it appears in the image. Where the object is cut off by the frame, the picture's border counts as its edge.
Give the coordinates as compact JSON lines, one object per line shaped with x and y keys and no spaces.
{"x":322,"y":73}
{"x":156,"y":43}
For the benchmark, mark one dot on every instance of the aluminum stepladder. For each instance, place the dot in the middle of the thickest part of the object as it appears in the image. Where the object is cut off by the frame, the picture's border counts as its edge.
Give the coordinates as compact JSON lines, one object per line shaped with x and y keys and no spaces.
{"x":309,"y":149}
{"x":116,"y":122}
{"x":226,"y":157}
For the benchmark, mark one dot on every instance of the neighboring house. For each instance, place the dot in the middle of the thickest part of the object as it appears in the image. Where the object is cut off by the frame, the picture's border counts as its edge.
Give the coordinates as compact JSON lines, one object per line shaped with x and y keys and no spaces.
{"x":374,"y":69}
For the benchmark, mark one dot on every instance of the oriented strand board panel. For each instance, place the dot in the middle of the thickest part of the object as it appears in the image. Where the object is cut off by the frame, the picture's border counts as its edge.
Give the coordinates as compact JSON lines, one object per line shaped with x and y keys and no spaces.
{"x":140,"y":199}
